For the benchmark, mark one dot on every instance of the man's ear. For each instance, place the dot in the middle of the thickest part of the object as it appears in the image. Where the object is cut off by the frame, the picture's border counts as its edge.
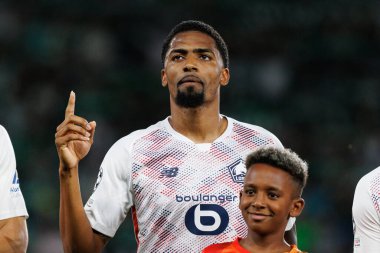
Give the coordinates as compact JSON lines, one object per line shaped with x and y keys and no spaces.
{"x":297,"y":207}
{"x":164,"y":80}
{"x":225,"y":77}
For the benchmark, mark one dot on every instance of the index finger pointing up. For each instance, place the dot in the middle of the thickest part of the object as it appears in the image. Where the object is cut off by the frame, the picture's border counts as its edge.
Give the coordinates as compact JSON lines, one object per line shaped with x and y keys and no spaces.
{"x":70,"y":105}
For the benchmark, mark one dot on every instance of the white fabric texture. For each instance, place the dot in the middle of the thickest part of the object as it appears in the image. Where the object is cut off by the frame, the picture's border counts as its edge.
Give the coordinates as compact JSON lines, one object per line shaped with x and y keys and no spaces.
{"x":12,"y":202}
{"x":366,"y":213}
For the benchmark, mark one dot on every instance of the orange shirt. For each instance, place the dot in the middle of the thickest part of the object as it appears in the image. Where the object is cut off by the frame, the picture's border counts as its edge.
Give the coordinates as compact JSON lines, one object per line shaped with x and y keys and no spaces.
{"x":234,"y":247}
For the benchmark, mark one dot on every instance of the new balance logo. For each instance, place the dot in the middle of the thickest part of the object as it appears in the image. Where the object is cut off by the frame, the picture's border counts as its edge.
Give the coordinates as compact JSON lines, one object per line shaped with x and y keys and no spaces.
{"x":15,"y":179}
{"x":169,"y":172}
{"x":15,"y":184}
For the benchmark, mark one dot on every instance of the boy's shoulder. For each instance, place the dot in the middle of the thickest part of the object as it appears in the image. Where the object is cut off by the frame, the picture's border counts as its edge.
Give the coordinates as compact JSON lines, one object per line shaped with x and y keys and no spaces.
{"x":294,"y":249}
{"x":226,"y":247}
{"x":219,"y":247}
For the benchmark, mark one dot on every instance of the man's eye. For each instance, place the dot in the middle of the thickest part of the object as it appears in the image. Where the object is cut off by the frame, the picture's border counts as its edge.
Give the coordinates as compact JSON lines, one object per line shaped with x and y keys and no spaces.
{"x":205,"y":57}
{"x":177,"y":57}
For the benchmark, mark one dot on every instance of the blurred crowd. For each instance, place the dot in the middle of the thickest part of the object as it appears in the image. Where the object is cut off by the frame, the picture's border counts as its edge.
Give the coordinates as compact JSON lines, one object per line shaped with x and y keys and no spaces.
{"x":307,"y":71}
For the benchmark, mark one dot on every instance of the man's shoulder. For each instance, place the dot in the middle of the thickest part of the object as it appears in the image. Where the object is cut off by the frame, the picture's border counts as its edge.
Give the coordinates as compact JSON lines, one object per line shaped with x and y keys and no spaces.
{"x":6,"y":149}
{"x":3,"y":133}
{"x":369,"y":178}
{"x":124,"y":147}
{"x":248,"y":125}
{"x":132,"y":137}
{"x":374,"y":175}
{"x":242,"y":127}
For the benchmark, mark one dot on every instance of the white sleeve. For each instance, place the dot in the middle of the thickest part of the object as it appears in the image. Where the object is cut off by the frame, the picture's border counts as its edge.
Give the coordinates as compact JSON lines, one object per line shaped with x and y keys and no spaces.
{"x":366,"y":214}
{"x":12,"y":202}
{"x":112,"y":198}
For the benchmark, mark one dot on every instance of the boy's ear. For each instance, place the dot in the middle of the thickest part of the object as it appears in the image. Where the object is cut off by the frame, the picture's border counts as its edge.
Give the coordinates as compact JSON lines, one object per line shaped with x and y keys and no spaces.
{"x":297,"y":207}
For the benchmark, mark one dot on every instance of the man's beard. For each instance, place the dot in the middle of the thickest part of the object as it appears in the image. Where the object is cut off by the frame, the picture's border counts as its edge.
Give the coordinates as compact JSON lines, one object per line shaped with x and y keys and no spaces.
{"x":189,"y":98}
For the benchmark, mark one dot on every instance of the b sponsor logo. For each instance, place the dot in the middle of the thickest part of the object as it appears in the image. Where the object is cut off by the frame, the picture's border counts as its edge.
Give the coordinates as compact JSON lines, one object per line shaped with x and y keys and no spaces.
{"x":206,"y":219}
{"x":237,"y":171}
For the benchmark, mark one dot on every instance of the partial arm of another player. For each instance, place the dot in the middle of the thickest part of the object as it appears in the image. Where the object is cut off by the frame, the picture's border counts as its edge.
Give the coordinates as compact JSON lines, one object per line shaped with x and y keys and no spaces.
{"x":73,"y":140}
{"x":13,"y":235}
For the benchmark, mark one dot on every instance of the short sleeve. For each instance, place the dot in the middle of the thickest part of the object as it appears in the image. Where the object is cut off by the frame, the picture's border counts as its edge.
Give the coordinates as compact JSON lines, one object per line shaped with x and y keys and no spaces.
{"x":365,"y":212}
{"x":12,"y":202}
{"x":112,"y":198}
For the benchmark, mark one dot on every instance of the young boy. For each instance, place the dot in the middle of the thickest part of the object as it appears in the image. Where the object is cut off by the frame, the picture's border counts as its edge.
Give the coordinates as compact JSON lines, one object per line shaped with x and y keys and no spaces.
{"x":271,"y":194}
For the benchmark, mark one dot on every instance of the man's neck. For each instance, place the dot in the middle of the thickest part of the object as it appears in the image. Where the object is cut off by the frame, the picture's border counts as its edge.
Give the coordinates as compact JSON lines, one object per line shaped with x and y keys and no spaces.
{"x":201,"y":125}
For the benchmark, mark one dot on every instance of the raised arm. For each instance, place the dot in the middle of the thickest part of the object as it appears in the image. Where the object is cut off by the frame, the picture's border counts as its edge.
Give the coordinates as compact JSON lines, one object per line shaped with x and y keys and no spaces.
{"x":73,"y":141}
{"x":13,"y":235}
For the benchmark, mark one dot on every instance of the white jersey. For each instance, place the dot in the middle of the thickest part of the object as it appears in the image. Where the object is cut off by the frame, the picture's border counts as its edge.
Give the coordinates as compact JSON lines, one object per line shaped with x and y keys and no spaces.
{"x":12,"y":202}
{"x":366,"y":213}
{"x":184,"y":196}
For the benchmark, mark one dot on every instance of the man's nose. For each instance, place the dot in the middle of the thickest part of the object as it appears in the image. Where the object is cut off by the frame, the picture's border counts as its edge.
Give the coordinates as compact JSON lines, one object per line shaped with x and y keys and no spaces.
{"x":190,"y":65}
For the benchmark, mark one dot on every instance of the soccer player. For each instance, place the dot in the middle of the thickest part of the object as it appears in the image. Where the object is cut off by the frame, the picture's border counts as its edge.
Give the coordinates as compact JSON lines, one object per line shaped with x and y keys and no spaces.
{"x":271,"y":194}
{"x":366,"y":213}
{"x":13,"y":213}
{"x":180,"y":177}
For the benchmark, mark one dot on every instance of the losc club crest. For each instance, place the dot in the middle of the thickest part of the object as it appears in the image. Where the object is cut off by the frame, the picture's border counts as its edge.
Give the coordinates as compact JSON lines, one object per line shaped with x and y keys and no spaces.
{"x":237,"y":171}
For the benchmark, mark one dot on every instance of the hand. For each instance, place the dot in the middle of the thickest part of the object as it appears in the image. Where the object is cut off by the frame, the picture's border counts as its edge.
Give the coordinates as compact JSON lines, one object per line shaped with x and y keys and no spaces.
{"x":73,"y":138}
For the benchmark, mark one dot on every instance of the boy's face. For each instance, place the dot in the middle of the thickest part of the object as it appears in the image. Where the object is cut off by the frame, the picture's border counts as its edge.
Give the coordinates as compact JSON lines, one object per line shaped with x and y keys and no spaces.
{"x":269,"y":197}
